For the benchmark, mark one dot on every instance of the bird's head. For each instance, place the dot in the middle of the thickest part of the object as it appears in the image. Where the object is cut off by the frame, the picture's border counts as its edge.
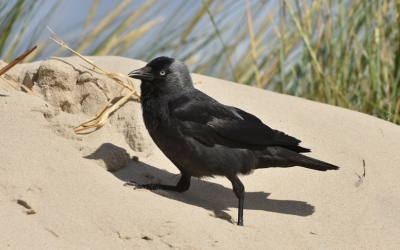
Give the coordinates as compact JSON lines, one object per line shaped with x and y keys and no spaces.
{"x":164,"y":74}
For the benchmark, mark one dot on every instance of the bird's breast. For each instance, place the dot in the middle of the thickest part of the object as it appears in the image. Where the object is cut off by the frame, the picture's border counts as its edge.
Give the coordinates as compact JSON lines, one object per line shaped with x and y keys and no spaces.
{"x":155,"y":112}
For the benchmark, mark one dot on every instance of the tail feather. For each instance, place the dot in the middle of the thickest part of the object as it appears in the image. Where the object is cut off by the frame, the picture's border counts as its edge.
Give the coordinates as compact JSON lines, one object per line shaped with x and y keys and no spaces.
{"x":282,"y":157}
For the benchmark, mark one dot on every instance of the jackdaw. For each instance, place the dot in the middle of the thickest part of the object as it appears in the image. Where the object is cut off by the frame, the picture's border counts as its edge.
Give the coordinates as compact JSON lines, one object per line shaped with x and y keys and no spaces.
{"x":204,"y":138}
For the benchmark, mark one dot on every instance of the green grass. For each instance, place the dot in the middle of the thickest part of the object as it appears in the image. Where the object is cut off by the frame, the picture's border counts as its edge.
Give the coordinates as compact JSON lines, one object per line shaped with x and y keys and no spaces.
{"x":344,"y":53}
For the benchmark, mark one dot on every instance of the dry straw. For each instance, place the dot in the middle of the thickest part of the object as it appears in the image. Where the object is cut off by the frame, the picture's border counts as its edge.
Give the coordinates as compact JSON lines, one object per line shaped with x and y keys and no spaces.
{"x":102,"y":115}
{"x":12,"y":64}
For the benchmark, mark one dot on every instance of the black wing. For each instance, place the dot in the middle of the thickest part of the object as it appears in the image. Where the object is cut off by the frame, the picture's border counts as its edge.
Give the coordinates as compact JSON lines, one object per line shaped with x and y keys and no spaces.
{"x":212,"y":123}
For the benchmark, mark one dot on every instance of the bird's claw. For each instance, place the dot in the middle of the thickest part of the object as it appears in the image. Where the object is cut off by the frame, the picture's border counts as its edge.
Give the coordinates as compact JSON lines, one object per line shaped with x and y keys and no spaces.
{"x":133,"y":184}
{"x":149,"y":186}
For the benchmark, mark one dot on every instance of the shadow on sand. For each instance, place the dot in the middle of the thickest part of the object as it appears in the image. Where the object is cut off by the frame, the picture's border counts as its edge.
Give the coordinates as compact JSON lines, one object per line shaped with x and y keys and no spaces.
{"x":209,"y":195}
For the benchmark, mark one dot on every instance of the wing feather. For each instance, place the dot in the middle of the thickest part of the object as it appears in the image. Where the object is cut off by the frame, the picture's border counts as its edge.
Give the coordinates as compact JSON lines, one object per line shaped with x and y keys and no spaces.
{"x":210,"y":122}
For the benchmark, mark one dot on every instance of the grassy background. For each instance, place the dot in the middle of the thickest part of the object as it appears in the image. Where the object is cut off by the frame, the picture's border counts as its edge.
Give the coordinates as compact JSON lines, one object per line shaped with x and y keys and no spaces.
{"x":344,"y":53}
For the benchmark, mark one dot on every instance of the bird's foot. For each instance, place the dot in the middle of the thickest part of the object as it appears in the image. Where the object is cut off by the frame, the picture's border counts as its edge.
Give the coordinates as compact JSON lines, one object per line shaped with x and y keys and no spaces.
{"x":149,"y":186}
{"x":133,"y":184}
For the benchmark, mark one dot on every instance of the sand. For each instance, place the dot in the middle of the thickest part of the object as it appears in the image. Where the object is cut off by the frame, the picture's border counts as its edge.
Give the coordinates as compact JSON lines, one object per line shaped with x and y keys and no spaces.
{"x":61,"y":190}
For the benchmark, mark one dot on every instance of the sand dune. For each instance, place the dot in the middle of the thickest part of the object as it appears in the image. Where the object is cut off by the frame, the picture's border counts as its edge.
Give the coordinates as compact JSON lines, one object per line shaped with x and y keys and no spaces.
{"x":56,"y":192}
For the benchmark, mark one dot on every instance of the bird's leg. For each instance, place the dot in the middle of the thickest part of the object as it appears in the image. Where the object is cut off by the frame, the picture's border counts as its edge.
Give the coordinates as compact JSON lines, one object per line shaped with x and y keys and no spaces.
{"x":238,"y":189}
{"x":182,"y":185}
{"x":240,"y":211}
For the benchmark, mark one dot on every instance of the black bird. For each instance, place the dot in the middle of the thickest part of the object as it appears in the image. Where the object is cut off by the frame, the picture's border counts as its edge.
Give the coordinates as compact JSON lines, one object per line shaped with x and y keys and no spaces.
{"x":203,"y":137}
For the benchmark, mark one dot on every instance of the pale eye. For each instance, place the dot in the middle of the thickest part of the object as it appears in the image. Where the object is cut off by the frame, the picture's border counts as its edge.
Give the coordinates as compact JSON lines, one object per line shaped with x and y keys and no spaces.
{"x":162,"y":72}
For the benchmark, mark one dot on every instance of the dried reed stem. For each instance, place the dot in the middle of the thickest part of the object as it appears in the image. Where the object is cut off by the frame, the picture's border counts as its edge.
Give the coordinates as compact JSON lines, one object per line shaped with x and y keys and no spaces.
{"x":102,"y":115}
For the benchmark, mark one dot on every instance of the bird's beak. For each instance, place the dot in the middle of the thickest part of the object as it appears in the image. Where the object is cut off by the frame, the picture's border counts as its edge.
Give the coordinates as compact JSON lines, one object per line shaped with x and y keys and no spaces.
{"x":142,"y":74}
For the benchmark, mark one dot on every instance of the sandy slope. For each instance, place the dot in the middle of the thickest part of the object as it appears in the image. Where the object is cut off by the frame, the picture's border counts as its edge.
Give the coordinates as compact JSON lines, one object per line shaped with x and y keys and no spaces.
{"x":77,"y":204}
